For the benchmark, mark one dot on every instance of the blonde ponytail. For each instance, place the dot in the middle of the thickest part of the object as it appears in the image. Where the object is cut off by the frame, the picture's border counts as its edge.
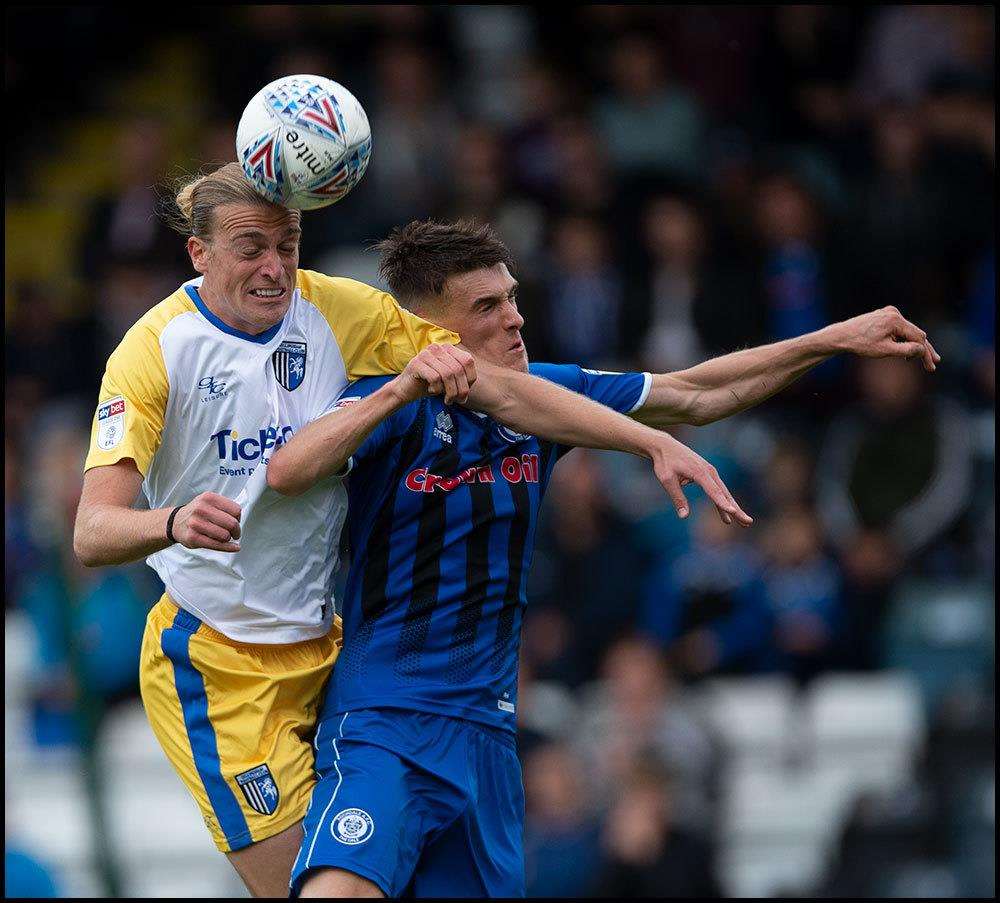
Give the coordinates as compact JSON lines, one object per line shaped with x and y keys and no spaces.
{"x":195,"y":200}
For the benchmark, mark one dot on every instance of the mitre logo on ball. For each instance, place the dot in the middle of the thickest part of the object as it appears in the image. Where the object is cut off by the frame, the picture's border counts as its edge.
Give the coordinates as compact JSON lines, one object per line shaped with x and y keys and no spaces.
{"x":304,"y":141}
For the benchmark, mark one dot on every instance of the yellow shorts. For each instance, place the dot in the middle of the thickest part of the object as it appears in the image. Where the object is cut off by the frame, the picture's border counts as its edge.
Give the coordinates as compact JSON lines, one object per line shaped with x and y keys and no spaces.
{"x":235,"y":720}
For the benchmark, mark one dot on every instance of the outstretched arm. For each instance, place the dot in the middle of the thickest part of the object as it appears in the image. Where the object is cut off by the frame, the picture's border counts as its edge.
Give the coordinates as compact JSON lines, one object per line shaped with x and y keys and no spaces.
{"x":525,"y":403}
{"x":735,"y":382}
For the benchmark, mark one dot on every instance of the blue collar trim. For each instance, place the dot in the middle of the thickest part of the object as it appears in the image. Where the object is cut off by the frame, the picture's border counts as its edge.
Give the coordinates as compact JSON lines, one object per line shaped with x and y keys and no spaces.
{"x":261,"y":338}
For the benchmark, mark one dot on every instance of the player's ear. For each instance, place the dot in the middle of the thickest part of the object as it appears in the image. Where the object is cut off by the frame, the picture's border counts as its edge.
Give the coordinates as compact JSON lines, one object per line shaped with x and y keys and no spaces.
{"x":198,"y":251}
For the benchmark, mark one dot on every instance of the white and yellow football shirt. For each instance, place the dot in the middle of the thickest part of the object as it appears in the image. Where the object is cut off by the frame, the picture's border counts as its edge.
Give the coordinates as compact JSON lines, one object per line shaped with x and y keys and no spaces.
{"x":200,"y":406}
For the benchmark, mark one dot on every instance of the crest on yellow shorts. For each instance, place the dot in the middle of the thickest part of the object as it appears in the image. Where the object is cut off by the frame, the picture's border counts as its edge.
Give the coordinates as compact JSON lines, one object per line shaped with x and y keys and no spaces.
{"x":260,"y":789}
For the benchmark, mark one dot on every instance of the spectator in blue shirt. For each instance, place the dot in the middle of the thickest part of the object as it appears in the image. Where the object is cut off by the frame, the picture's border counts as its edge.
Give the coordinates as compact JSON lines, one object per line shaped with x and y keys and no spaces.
{"x":707,"y":606}
{"x":803,"y":591}
{"x":561,"y":844}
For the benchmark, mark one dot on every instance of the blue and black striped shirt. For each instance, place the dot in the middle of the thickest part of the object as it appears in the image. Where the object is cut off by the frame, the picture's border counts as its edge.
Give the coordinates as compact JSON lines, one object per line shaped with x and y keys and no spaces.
{"x":443,"y":507}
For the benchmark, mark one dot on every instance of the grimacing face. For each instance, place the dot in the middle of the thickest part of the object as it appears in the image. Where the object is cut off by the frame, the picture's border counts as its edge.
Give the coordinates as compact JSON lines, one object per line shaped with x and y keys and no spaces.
{"x":249,"y":264}
{"x":481,"y":306}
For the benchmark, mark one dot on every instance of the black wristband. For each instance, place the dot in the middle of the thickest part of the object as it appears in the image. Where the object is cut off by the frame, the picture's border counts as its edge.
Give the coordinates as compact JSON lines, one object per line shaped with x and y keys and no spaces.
{"x":170,"y":523}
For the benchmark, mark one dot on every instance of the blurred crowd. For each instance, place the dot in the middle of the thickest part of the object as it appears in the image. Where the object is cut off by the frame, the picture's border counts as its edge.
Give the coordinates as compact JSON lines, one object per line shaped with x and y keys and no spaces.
{"x":674,"y":183}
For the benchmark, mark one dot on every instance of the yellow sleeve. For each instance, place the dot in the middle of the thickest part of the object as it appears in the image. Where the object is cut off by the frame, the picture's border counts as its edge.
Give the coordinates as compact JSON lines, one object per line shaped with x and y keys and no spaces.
{"x":128,"y":422}
{"x":404,"y":335}
{"x":376,"y":336}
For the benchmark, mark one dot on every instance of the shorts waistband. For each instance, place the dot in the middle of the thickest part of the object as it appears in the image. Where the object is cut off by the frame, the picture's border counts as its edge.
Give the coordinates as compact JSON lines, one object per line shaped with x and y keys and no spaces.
{"x":492,"y":732}
{"x":499,"y":734}
{"x":182,"y":619}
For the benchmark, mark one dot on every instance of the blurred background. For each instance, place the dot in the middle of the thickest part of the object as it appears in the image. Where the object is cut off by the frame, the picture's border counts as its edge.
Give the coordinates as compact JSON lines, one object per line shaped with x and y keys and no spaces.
{"x":805,"y":708}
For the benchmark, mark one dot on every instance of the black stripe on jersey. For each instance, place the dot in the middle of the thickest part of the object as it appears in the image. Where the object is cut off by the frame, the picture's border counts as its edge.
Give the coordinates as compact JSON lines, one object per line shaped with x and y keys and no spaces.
{"x":427,"y":563}
{"x":545,"y":451}
{"x":517,"y":539}
{"x":477,"y":574}
{"x":376,"y":566}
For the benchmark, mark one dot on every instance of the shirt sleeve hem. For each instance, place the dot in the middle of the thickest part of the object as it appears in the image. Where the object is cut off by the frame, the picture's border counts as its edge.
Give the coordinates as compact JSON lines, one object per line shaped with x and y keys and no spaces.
{"x":647,"y":384}
{"x":90,"y":463}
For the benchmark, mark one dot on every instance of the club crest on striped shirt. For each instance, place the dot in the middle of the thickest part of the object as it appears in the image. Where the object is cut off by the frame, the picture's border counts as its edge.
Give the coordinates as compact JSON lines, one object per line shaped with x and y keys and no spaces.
{"x":290,"y":364}
{"x":260,"y":789}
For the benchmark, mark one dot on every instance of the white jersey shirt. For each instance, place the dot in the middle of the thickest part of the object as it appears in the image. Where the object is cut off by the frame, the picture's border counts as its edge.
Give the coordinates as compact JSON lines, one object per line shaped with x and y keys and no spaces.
{"x":200,"y":406}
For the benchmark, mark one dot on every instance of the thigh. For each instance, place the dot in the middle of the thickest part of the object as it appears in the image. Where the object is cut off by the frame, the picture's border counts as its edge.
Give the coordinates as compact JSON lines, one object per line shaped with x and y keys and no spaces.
{"x":371,"y":813}
{"x":482,"y":853}
{"x":338,"y":884}
{"x":265,"y":866}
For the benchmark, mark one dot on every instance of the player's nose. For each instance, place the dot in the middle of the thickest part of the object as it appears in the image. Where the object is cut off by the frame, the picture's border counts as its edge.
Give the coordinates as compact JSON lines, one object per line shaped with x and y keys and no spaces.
{"x":270,"y":266}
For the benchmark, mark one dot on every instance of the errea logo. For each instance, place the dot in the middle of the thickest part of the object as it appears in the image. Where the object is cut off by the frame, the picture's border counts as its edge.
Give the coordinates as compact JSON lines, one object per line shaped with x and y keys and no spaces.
{"x":444,"y":426}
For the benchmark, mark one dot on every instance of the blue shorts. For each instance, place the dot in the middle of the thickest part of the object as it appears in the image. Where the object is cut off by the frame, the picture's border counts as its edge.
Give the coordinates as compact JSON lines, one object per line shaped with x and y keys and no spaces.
{"x":423,"y":805}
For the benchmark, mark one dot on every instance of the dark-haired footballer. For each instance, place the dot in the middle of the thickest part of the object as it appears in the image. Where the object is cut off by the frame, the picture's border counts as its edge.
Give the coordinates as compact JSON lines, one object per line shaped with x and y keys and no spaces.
{"x":420,"y":786}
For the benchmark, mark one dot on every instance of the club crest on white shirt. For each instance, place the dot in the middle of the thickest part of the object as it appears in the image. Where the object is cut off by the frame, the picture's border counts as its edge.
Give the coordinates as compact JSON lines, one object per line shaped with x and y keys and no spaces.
{"x":290,"y":364}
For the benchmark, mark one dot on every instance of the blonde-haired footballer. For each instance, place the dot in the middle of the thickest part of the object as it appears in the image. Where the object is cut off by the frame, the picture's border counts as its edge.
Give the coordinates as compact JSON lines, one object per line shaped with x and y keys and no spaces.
{"x":195,"y":400}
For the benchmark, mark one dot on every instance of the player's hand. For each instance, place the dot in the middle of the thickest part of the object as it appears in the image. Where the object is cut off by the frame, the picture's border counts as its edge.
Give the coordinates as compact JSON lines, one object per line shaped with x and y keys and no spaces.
{"x":887,"y":333}
{"x":438,"y":370}
{"x":676,"y":465}
{"x":209,"y":521}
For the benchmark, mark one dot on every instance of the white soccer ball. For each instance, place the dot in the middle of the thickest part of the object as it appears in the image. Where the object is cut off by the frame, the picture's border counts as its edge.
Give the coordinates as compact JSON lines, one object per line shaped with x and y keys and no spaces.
{"x":304,"y":141}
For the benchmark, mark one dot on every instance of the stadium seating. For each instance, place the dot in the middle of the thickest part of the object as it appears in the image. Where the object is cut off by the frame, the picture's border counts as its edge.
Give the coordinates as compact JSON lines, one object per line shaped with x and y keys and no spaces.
{"x":161,"y":844}
{"x":751,"y":715}
{"x":45,"y":803}
{"x":943,"y":634}
{"x":865,"y":728}
{"x":170,"y":853}
{"x":796,"y":764}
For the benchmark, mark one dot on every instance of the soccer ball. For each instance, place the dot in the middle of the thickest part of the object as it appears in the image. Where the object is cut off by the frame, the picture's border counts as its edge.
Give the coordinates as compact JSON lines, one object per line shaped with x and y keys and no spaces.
{"x":304,"y":141}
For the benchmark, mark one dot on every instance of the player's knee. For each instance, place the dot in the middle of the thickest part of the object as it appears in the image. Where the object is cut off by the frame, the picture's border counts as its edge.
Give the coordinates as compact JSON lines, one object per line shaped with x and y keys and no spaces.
{"x":338,"y":883}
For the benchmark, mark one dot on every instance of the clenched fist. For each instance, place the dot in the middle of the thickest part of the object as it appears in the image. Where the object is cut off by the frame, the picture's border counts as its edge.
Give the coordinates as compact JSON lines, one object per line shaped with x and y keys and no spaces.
{"x":209,"y":521}
{"x":438,"y":370}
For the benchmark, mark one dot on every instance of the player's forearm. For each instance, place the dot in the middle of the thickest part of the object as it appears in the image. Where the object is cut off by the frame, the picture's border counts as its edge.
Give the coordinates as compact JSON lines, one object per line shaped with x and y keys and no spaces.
{"x":323,"y":448}
{"x":541,"y":408}
{"x":727,"y":385}
{"x":112,"y":534}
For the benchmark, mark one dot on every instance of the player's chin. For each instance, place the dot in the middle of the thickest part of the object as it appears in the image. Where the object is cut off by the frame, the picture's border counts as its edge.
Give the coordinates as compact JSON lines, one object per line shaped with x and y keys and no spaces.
{"x":270,"y":302}
{"x":270,"y":311}
{"x":518,"y":360}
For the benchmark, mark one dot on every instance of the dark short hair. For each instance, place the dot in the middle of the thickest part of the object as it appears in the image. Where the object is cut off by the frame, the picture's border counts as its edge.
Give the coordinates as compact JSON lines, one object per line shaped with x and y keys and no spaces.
{"x":418,"y":258}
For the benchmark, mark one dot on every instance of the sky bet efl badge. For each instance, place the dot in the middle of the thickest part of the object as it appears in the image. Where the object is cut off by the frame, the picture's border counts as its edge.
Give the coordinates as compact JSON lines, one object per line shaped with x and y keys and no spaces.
{"x":259,"y":788}
{"x":290,"y":364}
{"x":110,"y":423}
